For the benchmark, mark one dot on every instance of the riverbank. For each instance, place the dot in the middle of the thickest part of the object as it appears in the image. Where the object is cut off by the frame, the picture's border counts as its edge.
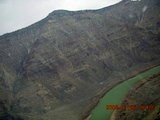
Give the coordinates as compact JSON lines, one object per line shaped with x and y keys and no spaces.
{"x":95,"y":100}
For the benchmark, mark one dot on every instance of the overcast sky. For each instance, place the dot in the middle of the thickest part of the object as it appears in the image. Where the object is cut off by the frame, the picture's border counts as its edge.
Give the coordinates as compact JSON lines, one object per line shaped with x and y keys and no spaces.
{"x":16,"y":14}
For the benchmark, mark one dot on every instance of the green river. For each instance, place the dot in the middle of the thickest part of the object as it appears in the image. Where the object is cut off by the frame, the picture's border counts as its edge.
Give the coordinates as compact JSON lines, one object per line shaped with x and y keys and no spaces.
{"x":116,"y":95}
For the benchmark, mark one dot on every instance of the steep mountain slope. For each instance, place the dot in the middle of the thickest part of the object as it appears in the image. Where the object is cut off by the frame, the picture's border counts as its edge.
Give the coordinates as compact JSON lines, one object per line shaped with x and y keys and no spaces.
{"x":52,"y":68}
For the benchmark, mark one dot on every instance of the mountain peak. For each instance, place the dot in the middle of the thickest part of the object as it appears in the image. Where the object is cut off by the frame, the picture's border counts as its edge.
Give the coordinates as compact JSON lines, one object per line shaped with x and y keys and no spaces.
{"x":61,"y":13}
{"x":53,"y":67}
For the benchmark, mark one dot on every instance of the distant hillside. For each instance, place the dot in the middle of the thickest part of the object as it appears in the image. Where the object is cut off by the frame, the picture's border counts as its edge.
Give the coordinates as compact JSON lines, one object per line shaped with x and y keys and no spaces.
{"x":51,"y":69}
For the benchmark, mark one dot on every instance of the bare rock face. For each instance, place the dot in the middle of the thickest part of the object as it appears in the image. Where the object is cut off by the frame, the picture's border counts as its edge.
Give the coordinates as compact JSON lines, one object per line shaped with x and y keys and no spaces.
{"x":51,"y":69}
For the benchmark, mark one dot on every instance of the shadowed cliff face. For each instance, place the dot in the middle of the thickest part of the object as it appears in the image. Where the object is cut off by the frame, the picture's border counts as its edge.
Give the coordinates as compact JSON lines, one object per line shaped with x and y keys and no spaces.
{"x":51,"y":69}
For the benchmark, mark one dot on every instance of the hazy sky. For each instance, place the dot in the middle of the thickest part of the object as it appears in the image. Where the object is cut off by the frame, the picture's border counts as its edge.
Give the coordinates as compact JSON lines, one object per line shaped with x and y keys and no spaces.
{"x":16,"y":14}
